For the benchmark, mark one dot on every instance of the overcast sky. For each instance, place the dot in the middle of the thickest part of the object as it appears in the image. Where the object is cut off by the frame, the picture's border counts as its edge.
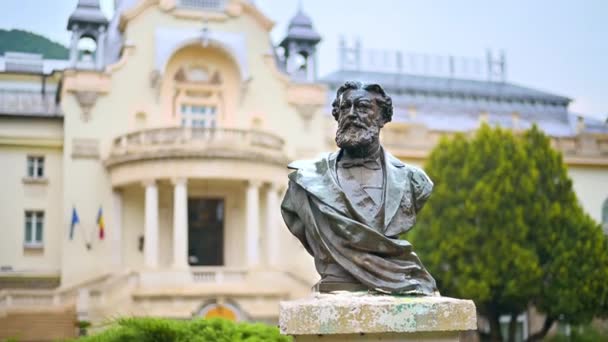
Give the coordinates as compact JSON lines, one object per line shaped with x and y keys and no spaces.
{"x":560,"y":46}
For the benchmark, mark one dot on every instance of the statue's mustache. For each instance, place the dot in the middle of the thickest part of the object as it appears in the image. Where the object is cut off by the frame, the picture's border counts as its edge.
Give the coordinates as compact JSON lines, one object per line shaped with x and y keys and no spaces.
{"x":351,"y":121}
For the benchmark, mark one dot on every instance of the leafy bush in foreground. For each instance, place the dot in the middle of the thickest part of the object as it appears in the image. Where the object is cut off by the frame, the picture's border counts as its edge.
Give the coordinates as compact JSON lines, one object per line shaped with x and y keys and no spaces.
{"x":199,"y":330}
{"x":587,"y":333}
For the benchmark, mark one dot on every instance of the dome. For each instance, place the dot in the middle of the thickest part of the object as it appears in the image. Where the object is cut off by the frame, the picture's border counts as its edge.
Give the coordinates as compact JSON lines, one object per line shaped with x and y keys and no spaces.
{"x":301,"y":20}
{"x":87,"y":12}
{"x":300,"y":28}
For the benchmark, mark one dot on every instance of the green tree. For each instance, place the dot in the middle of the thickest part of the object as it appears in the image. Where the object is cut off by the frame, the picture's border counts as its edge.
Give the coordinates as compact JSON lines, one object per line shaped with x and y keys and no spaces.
{"x":24,"y":41}
{"x":504,"y":228}
{"x":571,"y":247}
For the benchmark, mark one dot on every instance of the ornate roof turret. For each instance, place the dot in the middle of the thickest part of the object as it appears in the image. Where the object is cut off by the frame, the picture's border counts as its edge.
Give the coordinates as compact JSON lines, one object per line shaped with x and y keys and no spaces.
{"x":300,"y":29}
{"x":299,"y":48}
{"x":87,"y":22}
{"x":87,"y":12}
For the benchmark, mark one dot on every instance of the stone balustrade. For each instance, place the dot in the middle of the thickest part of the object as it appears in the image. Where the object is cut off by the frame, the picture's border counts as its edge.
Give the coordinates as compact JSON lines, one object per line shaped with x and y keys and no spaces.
{"x":33,"y":298}
{"x":218,"y":275}
{"x":587,"y":145}
{"x":187,"y":142}
{"x":61,"y":297}
{"x":415,"y":141}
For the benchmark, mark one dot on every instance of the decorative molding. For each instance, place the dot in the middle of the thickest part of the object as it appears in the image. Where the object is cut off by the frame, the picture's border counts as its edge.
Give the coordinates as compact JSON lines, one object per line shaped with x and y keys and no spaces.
{"x":260,"y":17}
{"x":169,"y":40}
{"x":154,"y":79}
{"x":269,"y":60}
{"x":307,"y":98}
{"x":86,"y":100}
{"x":134,"y":11}
{"x":307,"y":112}
{"x":34,"y":180}
{"x":56,"y":143}
{"x":127,"y":51}
{"x":167,"y":5}
{"x":79,"y":80}
{"x":199,"y":15}
{"x":85,"y":148}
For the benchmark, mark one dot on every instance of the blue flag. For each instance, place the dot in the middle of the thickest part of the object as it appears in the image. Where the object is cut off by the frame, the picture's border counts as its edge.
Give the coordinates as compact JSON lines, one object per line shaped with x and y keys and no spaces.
{"x":75,"y":221}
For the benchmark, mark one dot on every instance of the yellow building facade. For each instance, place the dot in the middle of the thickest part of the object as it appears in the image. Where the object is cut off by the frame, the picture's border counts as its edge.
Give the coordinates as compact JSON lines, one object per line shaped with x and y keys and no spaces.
{"x":144,"y":177}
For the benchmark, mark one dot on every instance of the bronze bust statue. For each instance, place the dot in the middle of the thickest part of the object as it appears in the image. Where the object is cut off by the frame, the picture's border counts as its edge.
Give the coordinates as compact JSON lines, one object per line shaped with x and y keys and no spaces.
{"x":349,"y":207}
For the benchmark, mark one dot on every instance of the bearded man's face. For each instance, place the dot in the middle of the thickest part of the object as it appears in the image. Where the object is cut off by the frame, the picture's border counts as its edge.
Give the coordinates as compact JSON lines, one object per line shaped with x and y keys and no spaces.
{"x":359,"y":121}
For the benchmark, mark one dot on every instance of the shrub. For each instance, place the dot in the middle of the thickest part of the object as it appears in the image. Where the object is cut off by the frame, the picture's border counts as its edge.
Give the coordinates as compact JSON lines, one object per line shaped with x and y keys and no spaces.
{"x":586,"y":333}
{"x":198,"y":330}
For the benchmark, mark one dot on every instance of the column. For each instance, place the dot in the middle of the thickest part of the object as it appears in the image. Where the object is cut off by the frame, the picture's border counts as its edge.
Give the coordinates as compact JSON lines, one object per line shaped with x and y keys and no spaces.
{"x":74,"y":46}
{"x":151,"y":225}
{"x":272,"y":227}
{"x":116,"y":227}
{"x":310,"y":68}
{"x":100,"y":51}
{"x":253,"y":223}
{"x":180,"y":223}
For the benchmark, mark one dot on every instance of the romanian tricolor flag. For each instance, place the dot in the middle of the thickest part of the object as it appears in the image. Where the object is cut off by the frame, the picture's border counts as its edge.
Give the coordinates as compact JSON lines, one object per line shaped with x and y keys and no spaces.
{"x":101,"y":224}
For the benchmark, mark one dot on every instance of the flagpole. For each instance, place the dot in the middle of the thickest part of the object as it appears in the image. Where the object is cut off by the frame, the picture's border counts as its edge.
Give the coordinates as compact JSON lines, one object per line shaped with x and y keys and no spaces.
{"x":91,"y":238}
{"x":84,"y":238}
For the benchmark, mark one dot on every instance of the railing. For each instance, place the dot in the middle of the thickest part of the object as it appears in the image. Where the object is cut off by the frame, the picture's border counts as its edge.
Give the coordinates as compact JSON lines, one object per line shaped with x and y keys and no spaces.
{"x":28,"y":102}
{"x":31,"y":298}
{"x":582,"y":145}
{"x":175,"y":140}
{"x":207,"y":5}
{"x":417,"y":139}
{"x":99,"y":293}
{"x":218,"y":275}
{"x":16,"y":298}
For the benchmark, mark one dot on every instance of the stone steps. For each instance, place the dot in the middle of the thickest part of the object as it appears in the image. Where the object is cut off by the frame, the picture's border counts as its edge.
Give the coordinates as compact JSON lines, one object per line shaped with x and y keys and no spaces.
{"x":44,"y":325}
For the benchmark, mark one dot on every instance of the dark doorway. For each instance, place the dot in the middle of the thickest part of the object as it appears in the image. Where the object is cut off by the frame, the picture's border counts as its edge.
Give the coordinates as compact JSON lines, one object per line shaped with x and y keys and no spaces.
{"x":205,"y":232}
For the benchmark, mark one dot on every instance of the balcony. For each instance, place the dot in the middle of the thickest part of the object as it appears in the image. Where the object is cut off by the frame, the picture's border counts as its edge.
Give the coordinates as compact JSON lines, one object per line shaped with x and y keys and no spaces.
{"x":190,"y":142}
{"x":27,"y":102}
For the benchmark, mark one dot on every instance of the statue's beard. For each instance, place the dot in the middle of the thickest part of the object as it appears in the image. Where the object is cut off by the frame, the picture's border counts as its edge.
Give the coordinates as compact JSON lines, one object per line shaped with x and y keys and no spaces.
{"x":355,"y":136}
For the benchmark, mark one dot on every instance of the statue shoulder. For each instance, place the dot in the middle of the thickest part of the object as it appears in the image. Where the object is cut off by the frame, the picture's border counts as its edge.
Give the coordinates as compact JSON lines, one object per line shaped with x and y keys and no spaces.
{"x":422,"y":185}
{"x":418,"y":176}
{"x":309,"y":164}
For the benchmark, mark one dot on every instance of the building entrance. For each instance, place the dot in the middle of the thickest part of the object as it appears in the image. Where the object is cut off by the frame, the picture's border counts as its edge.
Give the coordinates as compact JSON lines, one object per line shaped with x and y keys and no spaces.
{"x":205,"y":232}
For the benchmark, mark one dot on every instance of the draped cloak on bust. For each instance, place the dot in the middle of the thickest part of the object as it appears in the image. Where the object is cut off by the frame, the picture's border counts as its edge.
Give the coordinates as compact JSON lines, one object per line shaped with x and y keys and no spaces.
{"x":345,"y":243}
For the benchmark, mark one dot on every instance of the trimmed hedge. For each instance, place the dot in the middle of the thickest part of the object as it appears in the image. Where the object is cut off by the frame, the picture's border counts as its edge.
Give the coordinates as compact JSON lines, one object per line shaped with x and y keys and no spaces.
{"x":198,"y":330}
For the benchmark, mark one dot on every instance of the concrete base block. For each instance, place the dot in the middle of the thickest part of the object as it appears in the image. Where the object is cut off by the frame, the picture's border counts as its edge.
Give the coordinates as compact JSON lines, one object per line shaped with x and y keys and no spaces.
{"x":360,"y":316}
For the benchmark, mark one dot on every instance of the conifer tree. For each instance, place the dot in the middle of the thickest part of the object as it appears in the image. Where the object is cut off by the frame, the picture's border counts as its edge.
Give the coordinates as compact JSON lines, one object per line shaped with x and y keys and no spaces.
{"x":504,"y":228}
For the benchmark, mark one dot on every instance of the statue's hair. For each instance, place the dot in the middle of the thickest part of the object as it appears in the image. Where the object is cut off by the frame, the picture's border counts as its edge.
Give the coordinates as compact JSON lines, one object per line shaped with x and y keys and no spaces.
{"x":384,"y":101}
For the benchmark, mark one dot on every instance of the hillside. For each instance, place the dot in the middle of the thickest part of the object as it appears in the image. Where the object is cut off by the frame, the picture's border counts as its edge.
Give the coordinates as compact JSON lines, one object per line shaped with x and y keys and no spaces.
{"x":24,"y":41}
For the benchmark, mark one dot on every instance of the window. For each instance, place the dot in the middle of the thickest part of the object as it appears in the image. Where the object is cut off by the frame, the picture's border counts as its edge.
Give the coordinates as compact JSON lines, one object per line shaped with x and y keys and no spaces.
{"x":199,"y":115}
{"x":34,"y":227}
{"x":35,"y":167}
{"x":521,"y":330}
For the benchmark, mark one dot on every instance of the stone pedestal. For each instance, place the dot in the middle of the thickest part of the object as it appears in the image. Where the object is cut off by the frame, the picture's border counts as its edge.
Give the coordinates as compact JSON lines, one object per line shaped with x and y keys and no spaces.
{"x":359,"y":316}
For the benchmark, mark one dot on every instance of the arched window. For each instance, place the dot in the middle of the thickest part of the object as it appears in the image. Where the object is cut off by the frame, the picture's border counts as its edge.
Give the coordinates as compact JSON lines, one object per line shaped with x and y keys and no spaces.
{"x":199,"y":97}
{"x":226,"y":309}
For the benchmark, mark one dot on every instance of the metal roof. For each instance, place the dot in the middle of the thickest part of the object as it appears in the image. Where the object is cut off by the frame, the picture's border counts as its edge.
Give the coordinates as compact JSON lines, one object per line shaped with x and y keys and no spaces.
{"x":446,"y":86}
{"x":300,"y":28}
{"x":87,"y":12}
